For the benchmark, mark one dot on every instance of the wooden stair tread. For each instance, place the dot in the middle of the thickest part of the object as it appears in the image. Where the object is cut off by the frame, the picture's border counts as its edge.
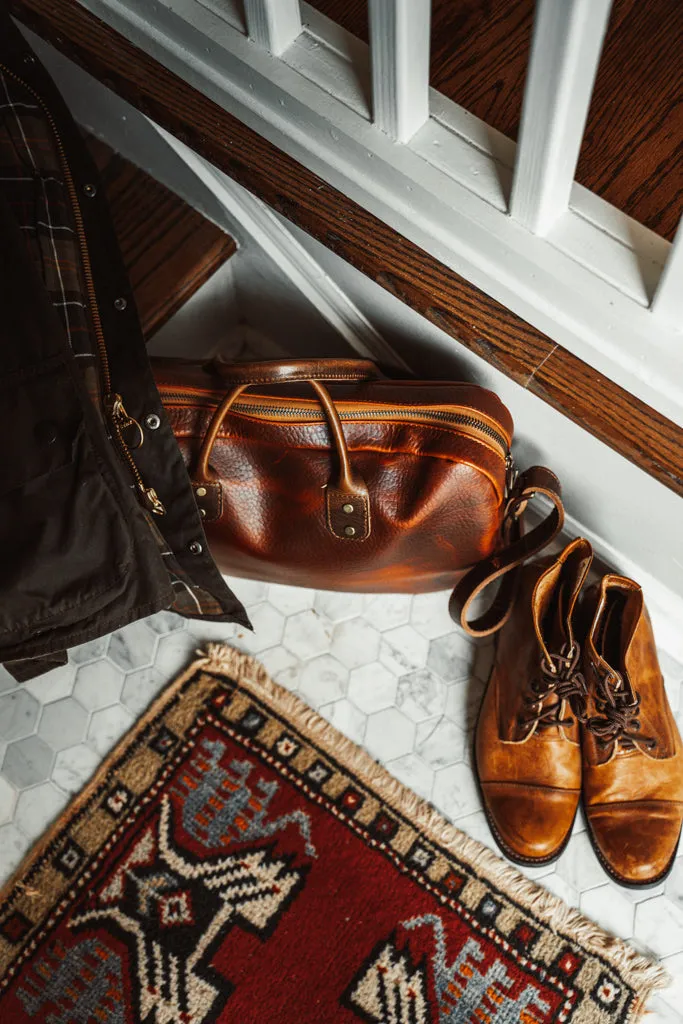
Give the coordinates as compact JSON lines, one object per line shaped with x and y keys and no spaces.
{"x":169,"y":249}
{"x":631,"y":149}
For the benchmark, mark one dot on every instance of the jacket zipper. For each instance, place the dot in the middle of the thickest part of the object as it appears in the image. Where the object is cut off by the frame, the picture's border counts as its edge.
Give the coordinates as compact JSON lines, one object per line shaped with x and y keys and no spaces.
{"x":119,"y":419}
{"x":407,"y":413}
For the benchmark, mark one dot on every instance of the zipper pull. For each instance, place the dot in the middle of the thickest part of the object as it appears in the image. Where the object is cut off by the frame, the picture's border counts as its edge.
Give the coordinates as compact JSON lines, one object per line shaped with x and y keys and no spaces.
{"x":123,"y":420}
{"x":120,"y":420}
{"x":511,"y":474}
{"x":153,"y":500}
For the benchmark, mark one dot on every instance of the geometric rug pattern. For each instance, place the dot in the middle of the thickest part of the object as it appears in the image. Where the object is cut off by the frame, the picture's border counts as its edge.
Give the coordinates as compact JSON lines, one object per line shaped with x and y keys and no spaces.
{"x":237,"y":859}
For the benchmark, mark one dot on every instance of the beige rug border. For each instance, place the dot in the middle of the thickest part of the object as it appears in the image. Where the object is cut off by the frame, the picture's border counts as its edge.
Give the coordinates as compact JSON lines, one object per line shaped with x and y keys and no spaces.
{"x":643,"y":975}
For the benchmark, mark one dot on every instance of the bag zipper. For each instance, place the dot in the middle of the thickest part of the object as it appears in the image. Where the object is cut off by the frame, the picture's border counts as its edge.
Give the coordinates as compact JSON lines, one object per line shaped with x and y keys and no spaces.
{"x":407,"y":413}
{"x":119,"y":419}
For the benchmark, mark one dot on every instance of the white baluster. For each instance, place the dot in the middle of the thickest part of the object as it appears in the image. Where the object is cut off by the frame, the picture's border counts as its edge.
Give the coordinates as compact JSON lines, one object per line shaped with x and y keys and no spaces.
{"x":399,"y":48}
{"x":565,"y":53}
{"x":273,"y":24}
{"x":667,"y":304}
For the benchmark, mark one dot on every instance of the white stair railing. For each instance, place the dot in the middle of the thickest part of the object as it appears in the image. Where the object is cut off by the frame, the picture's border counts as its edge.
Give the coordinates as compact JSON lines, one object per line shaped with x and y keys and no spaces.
{"x":399,"y":54}
{"x":273,"y":24}
{"x":667,"y":304}
{"x":510,"y":219}
{"x":565,"y":53}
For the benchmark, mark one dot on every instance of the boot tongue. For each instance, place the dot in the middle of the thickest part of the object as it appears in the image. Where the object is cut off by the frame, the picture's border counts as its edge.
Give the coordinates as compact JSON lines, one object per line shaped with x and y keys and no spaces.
{"x":549,"y":611}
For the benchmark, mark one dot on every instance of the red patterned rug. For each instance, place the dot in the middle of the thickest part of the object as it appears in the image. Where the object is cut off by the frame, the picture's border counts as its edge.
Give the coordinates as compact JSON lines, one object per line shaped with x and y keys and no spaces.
{"x":237,"y":860}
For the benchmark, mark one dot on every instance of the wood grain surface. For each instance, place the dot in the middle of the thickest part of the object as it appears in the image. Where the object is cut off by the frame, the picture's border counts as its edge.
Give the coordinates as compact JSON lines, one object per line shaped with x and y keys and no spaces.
{"x":632,"y":152}
{"x":169,"y":248}
{"x":525,"y":354}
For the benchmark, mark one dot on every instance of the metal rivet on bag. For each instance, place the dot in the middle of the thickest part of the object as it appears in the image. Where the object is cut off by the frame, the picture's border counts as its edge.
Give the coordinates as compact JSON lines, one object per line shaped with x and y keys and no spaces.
{"x":90,"y":190}
{"x":120,"y":304}
{"x":201,"y":492}
{"x":347,"y":508}
{"x":350,"y":531}
{"x":202,"y":512}
{"x":152,"y":421}
{"x":195,"y":548}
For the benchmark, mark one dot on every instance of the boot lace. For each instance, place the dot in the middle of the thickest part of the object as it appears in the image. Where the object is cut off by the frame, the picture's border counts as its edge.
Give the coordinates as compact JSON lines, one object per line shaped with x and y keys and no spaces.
{"x":618,"y":717}
{"x":559,"y":676}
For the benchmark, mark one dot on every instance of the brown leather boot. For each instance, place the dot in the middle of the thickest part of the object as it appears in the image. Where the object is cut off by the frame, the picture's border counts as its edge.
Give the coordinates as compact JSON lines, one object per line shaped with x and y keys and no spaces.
{"x":632,"y":752}
{"x":527,"y":747}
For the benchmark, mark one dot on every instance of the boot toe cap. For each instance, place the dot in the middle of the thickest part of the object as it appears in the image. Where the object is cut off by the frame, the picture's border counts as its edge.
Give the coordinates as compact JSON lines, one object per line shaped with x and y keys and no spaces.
{"x":637,"y":841}
{"x":531,"y":823}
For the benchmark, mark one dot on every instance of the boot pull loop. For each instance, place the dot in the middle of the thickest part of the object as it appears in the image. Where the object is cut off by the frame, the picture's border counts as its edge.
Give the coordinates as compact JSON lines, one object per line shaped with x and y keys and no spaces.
{"x":517,"y":548}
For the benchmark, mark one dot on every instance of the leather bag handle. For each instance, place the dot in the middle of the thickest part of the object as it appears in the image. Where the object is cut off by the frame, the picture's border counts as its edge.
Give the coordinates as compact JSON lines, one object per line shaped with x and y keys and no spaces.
{"x":518,"y":547}
{"x":347,"y":500}
{"x":284,"y":371}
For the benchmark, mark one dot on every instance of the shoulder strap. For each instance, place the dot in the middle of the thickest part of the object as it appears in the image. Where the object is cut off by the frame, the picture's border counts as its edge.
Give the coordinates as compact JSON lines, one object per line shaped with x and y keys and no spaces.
{"x":517,"y":548}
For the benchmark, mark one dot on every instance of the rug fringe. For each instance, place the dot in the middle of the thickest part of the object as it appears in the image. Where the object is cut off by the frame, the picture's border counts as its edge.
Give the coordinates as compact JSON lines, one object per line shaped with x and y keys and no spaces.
{"x":637,"y":971}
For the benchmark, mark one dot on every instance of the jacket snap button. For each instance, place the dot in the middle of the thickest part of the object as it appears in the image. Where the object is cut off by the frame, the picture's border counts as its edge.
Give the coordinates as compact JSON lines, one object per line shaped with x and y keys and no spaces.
{"x":195,"y":548}
{"x":90,"y":190}
{"x":46,"y":433}
{"x":120,"y":304}
{"x":152,"y":421}
{"x":201,"y":492}
{"x":348,"y":508}
{"x":350,"y":531}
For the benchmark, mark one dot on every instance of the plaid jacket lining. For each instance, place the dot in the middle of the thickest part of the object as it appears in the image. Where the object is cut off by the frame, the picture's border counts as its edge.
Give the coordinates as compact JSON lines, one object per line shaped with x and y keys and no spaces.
{"x":32,"y":180}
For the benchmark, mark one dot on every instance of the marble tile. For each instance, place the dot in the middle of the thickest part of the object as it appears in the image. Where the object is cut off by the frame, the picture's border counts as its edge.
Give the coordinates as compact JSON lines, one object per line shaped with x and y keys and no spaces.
{"x":74,"y":766}
{"x":98,"y":685}
{"x":93,"y":650}
{"x":63,"y":723}
{"x":290,"y":600}
{"x":355,"y":643}
{"x":269,"y":624}
{"x":38,"y":807}
{"x":346,"y":717}
{"x":18,"y":715}
{"x":107,"y":727}
{"x":609,"y":909}
{"x":440,"y":743}
{"x":407,"y":646}
{"x":323,"y":680}
{"x":250,"y":592}
{"x":13,"y":846}
{"x":141,"y":687}
{"x":7,"y":682}
{"x":282,"y":666}
{"x":27,"y":762}
{"x":579,"y":866}
{"x":455,"y":791}
{"x":338,"y":607}
{"x":372,"y":687}
{"x":389,"y":734}
{"x":451,"y":657}
{"x":421,"y":695}
{"x":53,"y":685}
{"x":429,"y":615}
{"x":387,"y":611}
{"x":659,"y":925}
{"x":414,"y":773}
{"x":307,"y":634}
{"x":132,"y":647}
{"x":8,"y":798}
{"x":164,"y":622}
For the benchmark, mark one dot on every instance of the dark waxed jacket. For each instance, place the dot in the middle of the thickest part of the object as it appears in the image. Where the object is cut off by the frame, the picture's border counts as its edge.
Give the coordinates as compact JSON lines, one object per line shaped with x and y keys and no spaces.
{"x":96,"y":528}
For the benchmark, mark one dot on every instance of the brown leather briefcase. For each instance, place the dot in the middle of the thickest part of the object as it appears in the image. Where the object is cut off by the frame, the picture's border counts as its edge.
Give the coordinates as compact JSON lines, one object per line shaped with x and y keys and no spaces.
{"x":324,"y":473}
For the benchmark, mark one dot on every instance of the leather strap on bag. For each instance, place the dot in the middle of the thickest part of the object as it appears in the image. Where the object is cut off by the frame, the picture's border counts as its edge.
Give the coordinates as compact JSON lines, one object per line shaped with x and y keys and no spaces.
{"x":518,"y":547}
{"x":347,"y":500}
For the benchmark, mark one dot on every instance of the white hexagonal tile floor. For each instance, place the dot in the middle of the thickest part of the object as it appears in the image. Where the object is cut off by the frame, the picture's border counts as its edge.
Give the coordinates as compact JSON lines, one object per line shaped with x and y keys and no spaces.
{"x":391,"y":672}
